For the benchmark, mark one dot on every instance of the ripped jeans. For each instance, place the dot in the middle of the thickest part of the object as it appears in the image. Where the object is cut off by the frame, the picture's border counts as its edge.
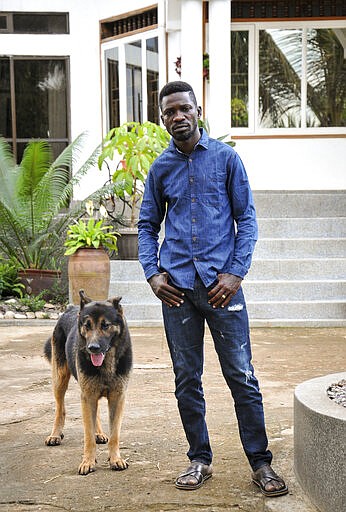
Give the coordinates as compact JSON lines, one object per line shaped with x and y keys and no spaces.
{"x":229,"y":328}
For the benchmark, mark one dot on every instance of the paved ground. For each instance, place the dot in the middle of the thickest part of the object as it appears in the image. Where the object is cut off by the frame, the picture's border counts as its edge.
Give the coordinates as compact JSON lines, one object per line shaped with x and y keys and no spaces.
{"x":39,"y":478}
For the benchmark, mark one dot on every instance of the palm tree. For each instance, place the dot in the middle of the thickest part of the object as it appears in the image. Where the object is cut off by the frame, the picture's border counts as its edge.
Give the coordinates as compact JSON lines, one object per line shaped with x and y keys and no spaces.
{"x":280,"y":81}
{"x":33,"y":200}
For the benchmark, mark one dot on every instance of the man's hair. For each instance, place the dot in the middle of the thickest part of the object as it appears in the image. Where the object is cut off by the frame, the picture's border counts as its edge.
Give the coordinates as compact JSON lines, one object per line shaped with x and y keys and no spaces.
{"x":177,"y":86}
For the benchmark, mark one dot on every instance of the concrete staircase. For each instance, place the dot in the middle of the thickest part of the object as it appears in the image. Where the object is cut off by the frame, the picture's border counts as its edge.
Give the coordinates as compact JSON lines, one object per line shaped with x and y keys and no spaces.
{"x":298,"y":273}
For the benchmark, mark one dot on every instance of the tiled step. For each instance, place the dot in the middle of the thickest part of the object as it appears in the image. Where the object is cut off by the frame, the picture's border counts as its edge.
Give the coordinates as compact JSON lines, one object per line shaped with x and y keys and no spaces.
{"x":300,"y":247}
{"x":310,"y":313}
{"x":307,"y":268}
{"x":278,"y":204}
{"x":140,"y":291}
{"x":334,"y":227}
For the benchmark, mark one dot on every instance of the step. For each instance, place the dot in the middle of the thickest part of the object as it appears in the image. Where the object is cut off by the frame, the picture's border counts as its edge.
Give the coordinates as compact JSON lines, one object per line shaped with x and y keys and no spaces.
{"x":301,"y":248}
{"x":276,"y":203}
{"x":266,"y":268}
{"x":308,"y":268}
{"x":140,"y":291}
{"x":303,"y":313}
{"x":322,"y":227}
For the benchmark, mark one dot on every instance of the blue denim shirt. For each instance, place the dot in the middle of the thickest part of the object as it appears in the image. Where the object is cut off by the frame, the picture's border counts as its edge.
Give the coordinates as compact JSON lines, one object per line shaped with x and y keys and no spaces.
{"x":210,"y":220}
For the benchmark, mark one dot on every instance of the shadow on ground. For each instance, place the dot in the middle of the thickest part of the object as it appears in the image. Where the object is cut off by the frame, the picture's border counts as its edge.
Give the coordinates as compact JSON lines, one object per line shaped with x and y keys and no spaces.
{"x":39,"y":478}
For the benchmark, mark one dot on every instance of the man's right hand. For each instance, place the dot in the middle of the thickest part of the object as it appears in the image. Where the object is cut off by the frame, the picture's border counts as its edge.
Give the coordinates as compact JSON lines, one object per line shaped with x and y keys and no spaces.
{"x":165,"y":292}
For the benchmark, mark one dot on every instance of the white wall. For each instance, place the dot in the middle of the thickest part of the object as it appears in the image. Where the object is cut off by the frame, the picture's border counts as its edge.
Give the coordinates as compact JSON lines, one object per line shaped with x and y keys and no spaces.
{"x":294,"y":164}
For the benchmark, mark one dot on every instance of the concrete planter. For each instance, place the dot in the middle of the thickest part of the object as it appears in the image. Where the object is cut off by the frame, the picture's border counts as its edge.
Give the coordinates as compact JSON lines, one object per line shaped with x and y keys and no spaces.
{"x":319,"y":443}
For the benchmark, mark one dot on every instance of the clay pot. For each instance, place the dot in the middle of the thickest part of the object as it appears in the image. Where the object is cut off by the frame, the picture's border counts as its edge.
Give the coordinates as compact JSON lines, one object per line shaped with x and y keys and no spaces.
{"x":89,"y":270}
{"x":36,"y":280}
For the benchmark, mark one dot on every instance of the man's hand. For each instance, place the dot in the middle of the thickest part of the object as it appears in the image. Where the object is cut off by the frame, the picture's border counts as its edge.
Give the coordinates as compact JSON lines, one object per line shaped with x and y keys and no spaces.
{"x":223,"y":292}
{"x":166,"y":293}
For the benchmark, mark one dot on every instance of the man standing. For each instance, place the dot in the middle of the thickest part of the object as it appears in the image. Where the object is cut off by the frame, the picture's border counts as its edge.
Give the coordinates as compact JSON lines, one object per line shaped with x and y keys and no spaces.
{"x":199,"y":186}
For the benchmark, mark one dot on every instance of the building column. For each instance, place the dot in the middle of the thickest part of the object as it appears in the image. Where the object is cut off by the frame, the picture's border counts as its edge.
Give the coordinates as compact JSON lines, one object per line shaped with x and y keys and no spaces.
{"x":219,"y":104}
{"x":192,"y":45}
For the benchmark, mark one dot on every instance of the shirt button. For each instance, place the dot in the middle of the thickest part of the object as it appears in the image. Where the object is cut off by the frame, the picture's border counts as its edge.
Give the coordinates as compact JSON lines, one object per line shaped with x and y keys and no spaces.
{"x":194,"y":238}
{"x":193,"y":220}
{"x":195,"y":258}
{"x":190,"y":159}
{"x":191,"y":180}
{"x":193,"y":199}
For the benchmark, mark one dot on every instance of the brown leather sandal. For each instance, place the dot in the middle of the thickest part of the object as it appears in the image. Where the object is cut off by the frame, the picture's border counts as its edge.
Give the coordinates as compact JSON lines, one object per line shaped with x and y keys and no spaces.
{"x":264,"y":476}
{"x":199,"y":472}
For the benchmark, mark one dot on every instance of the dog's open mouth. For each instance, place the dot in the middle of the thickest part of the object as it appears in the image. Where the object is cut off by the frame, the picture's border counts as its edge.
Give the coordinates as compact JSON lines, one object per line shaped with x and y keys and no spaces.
{"x":97,"y":359}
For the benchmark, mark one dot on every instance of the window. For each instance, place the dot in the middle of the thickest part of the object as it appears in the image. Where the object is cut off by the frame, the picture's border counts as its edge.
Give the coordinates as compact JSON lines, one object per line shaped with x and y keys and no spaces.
{"x":131,"y":79}
{"x":33,"y":100}
{"x":34,"y":23}
{"x":294,"y":71}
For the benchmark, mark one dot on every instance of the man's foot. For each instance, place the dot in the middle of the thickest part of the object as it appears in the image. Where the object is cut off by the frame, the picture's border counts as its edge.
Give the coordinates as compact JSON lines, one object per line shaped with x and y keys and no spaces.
{"x":194,"y":477}
{"x":269,"y":482}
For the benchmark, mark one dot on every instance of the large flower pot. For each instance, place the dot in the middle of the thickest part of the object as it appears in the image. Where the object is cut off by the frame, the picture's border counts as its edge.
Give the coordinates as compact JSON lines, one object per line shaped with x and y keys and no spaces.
{"x":89,"y":270}
{"x":36,"y":280}
{"x":128,"y":244}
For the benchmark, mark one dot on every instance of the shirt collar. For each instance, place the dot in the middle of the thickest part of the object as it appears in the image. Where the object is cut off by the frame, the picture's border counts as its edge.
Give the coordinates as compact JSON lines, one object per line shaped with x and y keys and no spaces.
{"x":203,"y":142}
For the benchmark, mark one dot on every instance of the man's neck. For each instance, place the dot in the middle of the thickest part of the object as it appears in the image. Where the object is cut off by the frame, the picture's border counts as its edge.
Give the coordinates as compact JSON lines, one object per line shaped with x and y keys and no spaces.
{"x":187,"y":146}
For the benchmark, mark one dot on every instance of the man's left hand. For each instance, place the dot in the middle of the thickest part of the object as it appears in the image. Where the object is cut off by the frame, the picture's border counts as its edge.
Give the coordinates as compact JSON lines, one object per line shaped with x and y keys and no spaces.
{"x":222,"y":293}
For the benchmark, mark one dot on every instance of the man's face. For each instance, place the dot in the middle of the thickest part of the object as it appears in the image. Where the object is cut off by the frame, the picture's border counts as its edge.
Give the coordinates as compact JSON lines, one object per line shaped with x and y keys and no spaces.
{"x":180,"y":115}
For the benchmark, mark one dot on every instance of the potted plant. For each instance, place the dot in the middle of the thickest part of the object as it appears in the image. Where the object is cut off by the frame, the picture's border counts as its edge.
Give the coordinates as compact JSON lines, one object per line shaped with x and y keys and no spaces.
{"x":134,"y":146}
{"x":88,"y":265}
{"x":34,"y":196}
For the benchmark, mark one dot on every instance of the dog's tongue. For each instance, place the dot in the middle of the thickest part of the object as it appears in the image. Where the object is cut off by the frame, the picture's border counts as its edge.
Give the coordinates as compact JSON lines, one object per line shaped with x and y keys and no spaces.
{"x":97,"y":359}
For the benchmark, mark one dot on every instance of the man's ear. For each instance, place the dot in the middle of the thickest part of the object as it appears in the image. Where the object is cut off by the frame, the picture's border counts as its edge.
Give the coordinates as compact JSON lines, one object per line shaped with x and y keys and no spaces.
{"x":199,"y":111}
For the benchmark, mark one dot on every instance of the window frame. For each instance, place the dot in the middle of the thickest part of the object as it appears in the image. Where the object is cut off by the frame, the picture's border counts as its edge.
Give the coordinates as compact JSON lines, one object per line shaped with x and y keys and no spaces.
{"x":10,"y":25}
{"x":253,"y":92}
{"x":120,"y":43}
{"x":14,"y":140}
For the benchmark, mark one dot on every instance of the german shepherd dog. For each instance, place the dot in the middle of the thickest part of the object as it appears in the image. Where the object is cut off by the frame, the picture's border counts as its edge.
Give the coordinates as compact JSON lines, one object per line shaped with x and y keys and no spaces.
{"x":91,"y":342}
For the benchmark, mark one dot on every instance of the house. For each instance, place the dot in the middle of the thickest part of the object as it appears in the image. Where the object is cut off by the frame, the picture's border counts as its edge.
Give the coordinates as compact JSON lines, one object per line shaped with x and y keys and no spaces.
{"x":271,"y":73}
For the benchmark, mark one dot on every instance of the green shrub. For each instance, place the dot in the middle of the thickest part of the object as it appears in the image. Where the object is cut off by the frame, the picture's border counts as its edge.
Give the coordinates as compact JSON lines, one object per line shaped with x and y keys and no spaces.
{"x":34,"y":303}
{"x":9,"y":280}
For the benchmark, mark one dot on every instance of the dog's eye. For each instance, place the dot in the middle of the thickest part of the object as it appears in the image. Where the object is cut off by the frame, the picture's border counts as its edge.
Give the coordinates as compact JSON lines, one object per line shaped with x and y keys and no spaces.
{"x":87,"y":325}
{"x":105,"y":325}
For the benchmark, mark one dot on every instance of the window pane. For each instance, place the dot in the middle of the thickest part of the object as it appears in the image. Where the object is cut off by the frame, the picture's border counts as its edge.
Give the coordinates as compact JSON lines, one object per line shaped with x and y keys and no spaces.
{"x":326,"y":77}
{"x":153,"y":79}
{"x":112,"y":81}
{"x":37,"y":23}
{"x":41,"y":101}
{"x":280,"y":52}
{"x":134,"y":81}
{"x":5,"y":99}
{"x":240,"y":77}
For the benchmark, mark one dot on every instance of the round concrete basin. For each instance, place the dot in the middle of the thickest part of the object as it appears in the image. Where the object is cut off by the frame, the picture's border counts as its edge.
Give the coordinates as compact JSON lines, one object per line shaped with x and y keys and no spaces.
{"x":319,"y":443}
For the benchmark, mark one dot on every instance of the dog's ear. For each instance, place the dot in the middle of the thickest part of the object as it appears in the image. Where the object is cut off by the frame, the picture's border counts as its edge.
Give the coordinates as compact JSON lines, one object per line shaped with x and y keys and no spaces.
{"x":116,"y":303}
{"x":84,"y":299}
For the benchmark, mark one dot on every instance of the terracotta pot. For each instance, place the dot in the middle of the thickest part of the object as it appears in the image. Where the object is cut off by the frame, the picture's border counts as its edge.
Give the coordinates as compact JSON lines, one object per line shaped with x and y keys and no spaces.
{"x":89,"y":270}
{"x":36,"y":280}
{"x":128,"y":244}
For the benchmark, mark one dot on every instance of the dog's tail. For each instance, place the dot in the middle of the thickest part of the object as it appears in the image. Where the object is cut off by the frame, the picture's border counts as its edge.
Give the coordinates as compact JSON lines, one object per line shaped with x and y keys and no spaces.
{"x":47,"y":349}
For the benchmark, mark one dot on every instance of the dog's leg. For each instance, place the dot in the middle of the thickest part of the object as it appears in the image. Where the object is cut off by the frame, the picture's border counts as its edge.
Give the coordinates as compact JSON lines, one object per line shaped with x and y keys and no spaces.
{"x":100,"y":436}
{"x":60,"y":379}
{"x":89,"y":412}
{"x":116,"y":405}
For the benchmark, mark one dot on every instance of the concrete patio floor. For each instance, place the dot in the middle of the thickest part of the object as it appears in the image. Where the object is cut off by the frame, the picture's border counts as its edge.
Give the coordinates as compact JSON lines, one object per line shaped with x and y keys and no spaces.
{"x":39,"y":478}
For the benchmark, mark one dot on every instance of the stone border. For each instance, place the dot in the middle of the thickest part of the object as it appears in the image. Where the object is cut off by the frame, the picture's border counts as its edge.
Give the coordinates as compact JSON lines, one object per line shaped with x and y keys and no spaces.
{"x":319,"y":442}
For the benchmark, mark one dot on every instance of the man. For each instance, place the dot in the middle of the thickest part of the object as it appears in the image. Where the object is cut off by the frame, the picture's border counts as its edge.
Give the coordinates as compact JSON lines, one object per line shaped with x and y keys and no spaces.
{"x":200,"y":187}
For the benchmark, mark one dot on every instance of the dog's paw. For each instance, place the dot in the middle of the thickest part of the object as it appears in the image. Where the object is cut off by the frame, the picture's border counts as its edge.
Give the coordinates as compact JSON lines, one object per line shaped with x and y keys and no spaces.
{"x":118,"y":464}
{"x":54,"y":440}
{"x":101,"y":438}
{"x":87,"y":466}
